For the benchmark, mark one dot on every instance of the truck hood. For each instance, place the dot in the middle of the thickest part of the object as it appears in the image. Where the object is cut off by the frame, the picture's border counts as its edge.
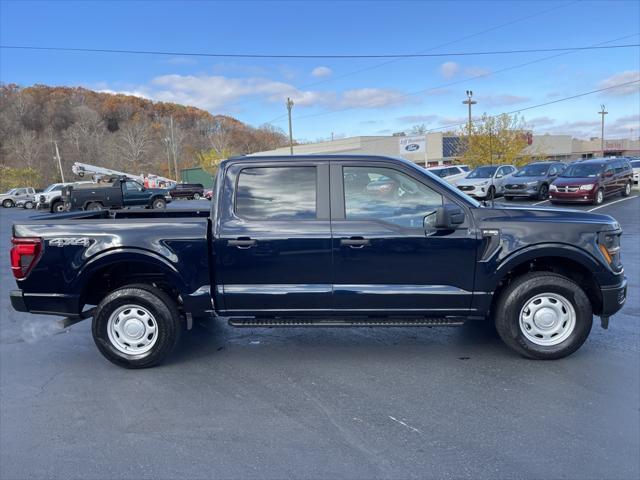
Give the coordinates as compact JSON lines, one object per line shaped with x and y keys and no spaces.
{"x":547,"y":219}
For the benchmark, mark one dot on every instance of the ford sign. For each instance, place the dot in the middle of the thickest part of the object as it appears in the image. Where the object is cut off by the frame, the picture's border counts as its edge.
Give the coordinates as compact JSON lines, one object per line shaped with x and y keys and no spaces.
{"x":412,"y":147}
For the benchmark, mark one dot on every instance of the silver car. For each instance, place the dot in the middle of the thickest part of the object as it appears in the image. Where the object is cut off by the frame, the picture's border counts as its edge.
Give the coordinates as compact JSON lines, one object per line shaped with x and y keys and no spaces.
{"x":17,"y":195}
{"x":486,"y":182}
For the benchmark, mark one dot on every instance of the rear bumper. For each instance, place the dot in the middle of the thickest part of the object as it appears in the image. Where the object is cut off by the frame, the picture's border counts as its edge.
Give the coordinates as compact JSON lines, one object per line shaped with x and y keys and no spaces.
{"x":45,"y":303}
{"x":613,"y":298}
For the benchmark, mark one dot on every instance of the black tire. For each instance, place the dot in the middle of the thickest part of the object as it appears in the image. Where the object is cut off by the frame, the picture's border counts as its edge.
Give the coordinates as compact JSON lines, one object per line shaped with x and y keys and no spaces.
{"x":491,"y":193}
{"x":159,"y":204}
{"x":93,"y":206}
{"x":8,"y":203}
{"x":525,"y":288}
{"x":158,"y":304}
{"x":598,"y":197}
{"x":29,"y":205}
{"x":57,"y":207}
{"x":543,"y":193}
{"x":626,"y":191}
{"x":196,"y":196}
{"x":508,"y":197}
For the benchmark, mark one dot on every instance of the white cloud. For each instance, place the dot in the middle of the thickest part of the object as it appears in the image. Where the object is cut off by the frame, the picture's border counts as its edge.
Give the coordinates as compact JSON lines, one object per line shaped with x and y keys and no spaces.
{"x":371,"y":98}
{"x":540,"y":122}
{"x":133,"y":93}
{"x":449,"y":69}
{"x":476,"y":71}
{"x":417,"y":118}
{"x":218,"y":92}
{"x":502,"y":100}
{"x":321,"y":72}
{"x":618,"y":78}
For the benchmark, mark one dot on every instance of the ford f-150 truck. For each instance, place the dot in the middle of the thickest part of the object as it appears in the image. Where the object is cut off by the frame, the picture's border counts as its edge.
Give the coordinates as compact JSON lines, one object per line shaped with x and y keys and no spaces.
{"x":322,"y":241}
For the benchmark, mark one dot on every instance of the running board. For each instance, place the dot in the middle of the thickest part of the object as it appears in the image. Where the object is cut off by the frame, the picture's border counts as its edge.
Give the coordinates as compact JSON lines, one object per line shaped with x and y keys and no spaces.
{"x":347,"y":322}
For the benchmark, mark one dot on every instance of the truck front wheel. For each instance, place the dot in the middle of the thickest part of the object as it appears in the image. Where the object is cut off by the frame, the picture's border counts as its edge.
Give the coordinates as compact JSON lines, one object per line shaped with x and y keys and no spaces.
{"x":159,"y":204}
{"x":136,"y":326}
{"x":543,"y":315}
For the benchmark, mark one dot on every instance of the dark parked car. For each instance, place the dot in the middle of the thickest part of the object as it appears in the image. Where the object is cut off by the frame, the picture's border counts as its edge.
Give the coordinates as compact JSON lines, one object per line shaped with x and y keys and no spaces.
{"x":591,"y":181}
{"x":533,"y":180}
{"x":360,"y":241}
{"x":118,"y":192}
{"x":192,"y":191}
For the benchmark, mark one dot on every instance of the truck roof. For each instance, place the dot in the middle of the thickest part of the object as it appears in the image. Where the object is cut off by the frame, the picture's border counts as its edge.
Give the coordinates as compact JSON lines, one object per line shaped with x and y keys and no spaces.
{"x":323,"y":157}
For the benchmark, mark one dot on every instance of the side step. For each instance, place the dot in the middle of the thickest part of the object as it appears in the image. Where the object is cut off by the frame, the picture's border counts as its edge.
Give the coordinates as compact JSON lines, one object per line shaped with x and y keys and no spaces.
{"x":347,"y":322}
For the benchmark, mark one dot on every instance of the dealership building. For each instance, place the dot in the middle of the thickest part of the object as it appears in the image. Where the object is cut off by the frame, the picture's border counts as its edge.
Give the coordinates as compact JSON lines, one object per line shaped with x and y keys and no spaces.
{"x":434,"y":149}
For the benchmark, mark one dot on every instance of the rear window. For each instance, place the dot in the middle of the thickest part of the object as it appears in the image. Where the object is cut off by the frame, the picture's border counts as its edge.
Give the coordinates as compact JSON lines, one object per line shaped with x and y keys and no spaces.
{"x":277,"y":193}
{"x":635,"y":164}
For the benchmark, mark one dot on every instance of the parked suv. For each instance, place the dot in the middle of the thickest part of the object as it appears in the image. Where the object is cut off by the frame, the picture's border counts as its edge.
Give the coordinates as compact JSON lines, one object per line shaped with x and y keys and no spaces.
{"x":486,"y":181}
{"x":17,"y":195}
{"x":193,"y":191}
{"x":533,"y":180}
{"x":450,"y":173}
{"x":591,"y":181}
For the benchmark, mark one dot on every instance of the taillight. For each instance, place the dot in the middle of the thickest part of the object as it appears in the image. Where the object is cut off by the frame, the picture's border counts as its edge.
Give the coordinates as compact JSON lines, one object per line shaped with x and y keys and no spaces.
{"x":24,"y":255}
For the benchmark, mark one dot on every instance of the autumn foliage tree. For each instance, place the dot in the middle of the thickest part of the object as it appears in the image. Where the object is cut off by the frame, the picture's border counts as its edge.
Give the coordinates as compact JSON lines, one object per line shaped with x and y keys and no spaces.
{"x":495,"y":139}
{"x":122,"y":132}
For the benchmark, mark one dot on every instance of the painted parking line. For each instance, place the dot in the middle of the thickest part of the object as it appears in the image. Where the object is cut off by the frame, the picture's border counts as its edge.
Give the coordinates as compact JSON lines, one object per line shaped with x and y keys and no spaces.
{"x":540,"y":203}
{"x":611,"y":203}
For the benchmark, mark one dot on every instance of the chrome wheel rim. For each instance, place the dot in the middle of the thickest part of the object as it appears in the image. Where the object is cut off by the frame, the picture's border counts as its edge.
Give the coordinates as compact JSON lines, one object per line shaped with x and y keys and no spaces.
{"x":599,"y":196}
{"x":547,"y":319}
{"x":627,"y":189}
{"x":132,"y":329}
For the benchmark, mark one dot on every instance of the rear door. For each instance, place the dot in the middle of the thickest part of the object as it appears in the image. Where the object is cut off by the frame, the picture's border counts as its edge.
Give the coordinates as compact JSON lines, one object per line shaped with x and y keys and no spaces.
{"x":273,"y":247}
{"x":383,"y":260}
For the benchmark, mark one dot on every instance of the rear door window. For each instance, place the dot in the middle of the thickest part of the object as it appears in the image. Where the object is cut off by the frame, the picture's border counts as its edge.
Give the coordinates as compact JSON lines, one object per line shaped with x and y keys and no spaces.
{"x":277,"y":193}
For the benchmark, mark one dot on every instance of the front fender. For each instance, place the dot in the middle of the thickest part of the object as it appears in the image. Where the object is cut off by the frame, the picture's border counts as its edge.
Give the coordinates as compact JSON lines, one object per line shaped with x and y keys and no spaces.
{"x":546,"y":250}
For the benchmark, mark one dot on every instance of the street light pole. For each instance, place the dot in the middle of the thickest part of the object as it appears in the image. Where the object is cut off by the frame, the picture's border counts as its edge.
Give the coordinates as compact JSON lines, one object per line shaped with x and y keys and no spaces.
{"x":289,"y":106}
{"x":469,"y":102}
{"x":602,"y":114}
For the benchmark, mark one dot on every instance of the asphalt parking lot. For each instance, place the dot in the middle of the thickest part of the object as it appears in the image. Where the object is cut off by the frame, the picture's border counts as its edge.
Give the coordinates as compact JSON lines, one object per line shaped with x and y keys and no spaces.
{"x":322,"y":403}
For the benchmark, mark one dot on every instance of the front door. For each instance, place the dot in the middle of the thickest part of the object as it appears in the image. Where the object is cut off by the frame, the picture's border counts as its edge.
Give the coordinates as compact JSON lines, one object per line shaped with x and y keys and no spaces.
{"x":273,"y":250}
{"x":134,"y":194}
{"x":383,"y":259}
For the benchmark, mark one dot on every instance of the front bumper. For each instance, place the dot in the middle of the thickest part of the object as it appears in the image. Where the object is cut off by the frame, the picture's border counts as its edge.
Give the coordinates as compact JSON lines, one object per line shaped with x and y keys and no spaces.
{"x":43,"y":206}
{"x":577,"y":197}
{"x":45,"y":303}
{"x":478,"y":191}
{"x":613,"y":298}
{"x":521,"y":192}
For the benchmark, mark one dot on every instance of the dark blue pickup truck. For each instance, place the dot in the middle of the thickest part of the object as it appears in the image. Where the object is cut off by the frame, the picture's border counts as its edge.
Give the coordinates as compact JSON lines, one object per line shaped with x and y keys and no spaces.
{"x":322,"y":241}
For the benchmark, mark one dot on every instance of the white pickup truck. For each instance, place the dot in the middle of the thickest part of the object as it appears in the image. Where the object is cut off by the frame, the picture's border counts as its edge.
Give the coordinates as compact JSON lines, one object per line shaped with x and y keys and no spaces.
{"x":18,"y":196}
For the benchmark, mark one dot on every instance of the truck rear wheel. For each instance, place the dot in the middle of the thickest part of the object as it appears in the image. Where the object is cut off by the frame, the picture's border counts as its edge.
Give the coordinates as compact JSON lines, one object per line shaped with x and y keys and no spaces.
{"x":136,"y":326}
{"x":94,"y":206}
{"x":543,"y":315}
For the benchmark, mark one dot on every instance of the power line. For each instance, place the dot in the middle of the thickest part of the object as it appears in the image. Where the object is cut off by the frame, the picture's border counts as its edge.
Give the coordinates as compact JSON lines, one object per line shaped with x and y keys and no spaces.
{"x":457,"y":82}
{"x":313,"y":56}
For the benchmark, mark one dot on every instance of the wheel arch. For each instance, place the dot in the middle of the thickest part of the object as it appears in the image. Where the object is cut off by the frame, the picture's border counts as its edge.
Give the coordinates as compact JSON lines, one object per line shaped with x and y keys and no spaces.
{"x":122,"y":266}
{"x":566,"y":260}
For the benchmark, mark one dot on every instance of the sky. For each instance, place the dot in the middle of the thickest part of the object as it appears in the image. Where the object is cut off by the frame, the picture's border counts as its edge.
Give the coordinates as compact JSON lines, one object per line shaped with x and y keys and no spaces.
{"x":343,"y":97}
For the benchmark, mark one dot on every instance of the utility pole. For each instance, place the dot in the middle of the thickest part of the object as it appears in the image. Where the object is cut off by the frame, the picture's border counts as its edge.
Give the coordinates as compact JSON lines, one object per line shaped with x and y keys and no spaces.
{"x":469,"y":102}
{"x":602,"y":114}
{"x":174,"y":150}
{"x":289,"y":106}
{"x":57,"y":157}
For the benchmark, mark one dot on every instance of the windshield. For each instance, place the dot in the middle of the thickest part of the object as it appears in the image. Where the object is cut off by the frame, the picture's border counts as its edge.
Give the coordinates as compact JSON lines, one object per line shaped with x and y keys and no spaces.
{"x":483,"y":172}
{"x":635,"y":164}
{"x":533,"y":170}
{"x":55,"y":186}
{"x":582,"y":170}
{"x":9,"y":192}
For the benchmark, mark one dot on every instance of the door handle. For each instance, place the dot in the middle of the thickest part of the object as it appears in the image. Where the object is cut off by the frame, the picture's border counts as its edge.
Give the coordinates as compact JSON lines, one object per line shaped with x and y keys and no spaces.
{"x":242,"y":242}
{"x":354,"y":242}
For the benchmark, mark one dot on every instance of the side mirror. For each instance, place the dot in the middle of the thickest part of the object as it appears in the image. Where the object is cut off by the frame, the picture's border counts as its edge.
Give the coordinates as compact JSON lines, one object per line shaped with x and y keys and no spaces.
{"x":608,"y":174}
{"x":446,"y":217}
